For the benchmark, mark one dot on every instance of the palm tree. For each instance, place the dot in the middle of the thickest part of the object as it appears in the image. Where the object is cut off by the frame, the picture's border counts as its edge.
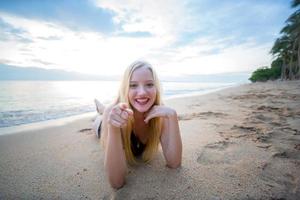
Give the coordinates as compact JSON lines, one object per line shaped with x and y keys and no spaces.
{"x":292,"y":30}
{"x":287,"y":47}
{"x":295,"y":3}
{"x":282,"y":50}
{"x":295,"y":19}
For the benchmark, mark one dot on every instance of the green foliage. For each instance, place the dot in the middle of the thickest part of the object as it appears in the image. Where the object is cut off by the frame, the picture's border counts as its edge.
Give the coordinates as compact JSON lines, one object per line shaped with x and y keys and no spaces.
{"x":265,"y":73}
{"x":276,"y":68}
{"x":286,"y":50}
{"x":261,"y":74}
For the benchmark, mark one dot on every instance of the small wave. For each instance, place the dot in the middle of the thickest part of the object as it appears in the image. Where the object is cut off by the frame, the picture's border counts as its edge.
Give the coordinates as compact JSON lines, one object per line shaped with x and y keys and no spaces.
{"x":19,"y":117}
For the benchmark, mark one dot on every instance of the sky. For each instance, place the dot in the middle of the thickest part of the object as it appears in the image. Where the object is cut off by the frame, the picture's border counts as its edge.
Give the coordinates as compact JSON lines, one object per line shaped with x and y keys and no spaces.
{"x":178,"y":37}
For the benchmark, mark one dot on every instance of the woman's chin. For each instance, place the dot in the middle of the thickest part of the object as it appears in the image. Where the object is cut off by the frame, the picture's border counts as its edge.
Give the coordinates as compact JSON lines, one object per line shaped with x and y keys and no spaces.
{"x":142,"y":109}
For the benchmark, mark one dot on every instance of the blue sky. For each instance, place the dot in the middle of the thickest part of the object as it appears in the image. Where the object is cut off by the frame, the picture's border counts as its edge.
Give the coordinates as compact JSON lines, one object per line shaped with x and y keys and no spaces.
{"x":179,"y":37}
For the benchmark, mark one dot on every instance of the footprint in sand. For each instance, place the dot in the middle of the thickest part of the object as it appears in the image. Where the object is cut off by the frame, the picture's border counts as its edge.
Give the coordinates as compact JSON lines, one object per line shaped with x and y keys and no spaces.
{"x":245,"y":128}
{"x":266,"y":118}
{"x":201,"y":115}
{"x":289,"y":130}
{"x":257,"y":132}
{"x":297,"y":147}
{"x":267,"y":108}
{"x":284,"y":182}
{"x":216,"y":153}
{"x":237,"y":132}
{"x":221,"y":145}
{"x":243,"y":131}
{"x":281,"y":155}
{"x":285,"y":154}
{"x":294,"y":97}
{"x":251,"y":95}
{"x":276,"y":111}
{"x":263,"y":118}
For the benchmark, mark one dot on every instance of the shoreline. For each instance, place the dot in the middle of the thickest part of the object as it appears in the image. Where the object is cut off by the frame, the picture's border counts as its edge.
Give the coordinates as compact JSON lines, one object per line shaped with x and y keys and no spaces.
{"x":204,"y":92}
{"x":64,"y":120}
{"x":44,"y":124}
{"x":238,"y":143}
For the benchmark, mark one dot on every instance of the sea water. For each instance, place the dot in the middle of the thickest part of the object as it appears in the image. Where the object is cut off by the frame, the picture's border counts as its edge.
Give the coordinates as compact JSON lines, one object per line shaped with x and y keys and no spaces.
{"x":25,"y":102}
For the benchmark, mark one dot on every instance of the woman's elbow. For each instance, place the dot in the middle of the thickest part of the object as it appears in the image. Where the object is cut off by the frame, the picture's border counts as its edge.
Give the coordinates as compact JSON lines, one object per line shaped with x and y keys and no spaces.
{"x":174,"y":164}
{"x":117,"y":183}
{"x":116,"y":178}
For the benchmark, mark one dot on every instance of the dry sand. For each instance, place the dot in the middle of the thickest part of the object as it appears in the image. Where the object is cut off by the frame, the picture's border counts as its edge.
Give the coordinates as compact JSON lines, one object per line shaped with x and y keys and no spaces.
{"x":238,"y":143}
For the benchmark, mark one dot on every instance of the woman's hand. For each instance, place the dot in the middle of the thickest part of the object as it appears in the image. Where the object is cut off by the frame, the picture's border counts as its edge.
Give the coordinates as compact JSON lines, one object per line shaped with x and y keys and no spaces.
{"x":159,"y":111}
{"x":119,"y":115}
{"x":170,"y":136}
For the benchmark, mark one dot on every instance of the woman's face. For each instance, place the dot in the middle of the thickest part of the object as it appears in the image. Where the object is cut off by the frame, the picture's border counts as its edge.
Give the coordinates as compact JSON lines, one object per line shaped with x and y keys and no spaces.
{"x":142,"y":90}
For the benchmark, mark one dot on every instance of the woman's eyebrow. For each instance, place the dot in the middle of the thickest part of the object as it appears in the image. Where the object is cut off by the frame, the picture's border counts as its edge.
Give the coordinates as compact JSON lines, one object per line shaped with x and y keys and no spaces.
{"x":150,"y":80}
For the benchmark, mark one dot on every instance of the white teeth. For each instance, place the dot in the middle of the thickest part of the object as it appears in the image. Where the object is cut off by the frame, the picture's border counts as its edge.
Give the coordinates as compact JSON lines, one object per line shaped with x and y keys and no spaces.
{"x":142,"y":100}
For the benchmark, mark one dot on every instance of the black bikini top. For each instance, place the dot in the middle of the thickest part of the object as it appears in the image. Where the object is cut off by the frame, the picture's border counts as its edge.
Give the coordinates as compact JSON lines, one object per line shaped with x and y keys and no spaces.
{"x":137,"y":147}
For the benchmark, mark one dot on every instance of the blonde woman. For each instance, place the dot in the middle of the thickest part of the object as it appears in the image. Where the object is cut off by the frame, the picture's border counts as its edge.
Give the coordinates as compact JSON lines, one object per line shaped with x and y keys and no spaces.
{"x":135,"y":124}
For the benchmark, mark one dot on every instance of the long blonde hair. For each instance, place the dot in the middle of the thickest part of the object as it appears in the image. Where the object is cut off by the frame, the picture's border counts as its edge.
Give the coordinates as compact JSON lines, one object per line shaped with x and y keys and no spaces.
{"x":155,"y":124}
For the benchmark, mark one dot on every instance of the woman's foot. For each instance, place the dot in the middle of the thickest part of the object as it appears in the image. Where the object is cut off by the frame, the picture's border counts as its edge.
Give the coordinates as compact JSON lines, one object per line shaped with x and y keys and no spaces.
{"x":97,"y":125}
{"x":98,"y":121}
{"x":99,"y":106}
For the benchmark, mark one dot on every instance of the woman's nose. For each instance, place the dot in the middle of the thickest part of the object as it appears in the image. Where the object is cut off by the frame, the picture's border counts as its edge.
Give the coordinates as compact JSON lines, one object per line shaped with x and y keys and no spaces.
{"x":141,"y":90}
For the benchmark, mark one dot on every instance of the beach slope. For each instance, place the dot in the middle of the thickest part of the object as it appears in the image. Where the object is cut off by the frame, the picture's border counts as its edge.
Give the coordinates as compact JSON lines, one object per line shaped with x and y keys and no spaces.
{"x":238,"y":143}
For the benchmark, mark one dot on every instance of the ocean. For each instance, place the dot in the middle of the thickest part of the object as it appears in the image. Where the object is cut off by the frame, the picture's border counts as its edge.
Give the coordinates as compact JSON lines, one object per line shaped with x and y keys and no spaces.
{"x":25,"y":102}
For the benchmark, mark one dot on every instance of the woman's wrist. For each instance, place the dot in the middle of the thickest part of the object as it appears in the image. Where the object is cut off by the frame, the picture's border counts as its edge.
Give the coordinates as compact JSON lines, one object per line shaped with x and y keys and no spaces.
{"x":172,"y":113}
{"x":113,"y":129}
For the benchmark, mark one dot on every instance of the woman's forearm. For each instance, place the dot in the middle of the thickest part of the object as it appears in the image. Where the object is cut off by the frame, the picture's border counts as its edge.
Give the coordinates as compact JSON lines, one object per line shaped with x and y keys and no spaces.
{"x":171,"y":142}
{"x":115,"y":161}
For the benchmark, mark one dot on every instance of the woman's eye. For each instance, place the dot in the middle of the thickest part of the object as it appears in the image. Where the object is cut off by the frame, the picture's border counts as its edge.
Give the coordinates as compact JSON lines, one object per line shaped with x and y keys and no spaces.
{"x":133,"y":85}
{"x":149,"y":84}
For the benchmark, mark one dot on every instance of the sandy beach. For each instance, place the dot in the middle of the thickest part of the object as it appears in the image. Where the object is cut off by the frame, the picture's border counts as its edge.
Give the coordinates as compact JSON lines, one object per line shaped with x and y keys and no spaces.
{"x":238,"y":143}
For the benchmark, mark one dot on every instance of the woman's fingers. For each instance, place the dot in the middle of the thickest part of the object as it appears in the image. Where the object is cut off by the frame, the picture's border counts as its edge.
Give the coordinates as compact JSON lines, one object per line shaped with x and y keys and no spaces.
{"x":125,"y":107}
{"x":153,"y":115}
{"x":119,"y":119}
{"x":124,"y":115}
{"x":159,"y":111}
{"x":117,"y":123}
{"x":117,"y":110}
{"x":154,"y":112}
{"x":119,"y":115}
{"x":114,"y":123}
{"x":129,"y":111}
{"x":146,"y":120}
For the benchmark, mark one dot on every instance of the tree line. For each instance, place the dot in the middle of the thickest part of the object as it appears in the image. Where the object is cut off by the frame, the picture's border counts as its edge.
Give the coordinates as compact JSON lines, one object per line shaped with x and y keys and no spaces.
{"x":286,"y":52}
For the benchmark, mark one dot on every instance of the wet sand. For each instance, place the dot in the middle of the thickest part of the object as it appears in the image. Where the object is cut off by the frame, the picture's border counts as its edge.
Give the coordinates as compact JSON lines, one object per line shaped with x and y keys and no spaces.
{"x":238,"y":143}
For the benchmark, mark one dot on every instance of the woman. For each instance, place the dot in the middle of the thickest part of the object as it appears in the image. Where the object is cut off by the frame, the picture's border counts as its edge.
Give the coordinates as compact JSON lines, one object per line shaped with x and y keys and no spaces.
{"x":136,"y":123}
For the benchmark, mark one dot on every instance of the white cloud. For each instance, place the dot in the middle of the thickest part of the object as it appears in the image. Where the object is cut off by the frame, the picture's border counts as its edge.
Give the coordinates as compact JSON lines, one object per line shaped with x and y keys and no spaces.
{"x":160,"y":18}
{"x":88,"y":52}
{"x":33,"y":28}
{"x":93,"y":52}
{"x":242,"y":57}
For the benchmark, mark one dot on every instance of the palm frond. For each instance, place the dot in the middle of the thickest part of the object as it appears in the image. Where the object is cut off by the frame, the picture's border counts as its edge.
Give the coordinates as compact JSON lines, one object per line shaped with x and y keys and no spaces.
{"x":295,"y":3}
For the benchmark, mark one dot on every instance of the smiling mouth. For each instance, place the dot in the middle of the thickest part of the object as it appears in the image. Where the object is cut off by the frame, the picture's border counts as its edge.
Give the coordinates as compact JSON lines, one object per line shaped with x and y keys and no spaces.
{"x":142,"y":101}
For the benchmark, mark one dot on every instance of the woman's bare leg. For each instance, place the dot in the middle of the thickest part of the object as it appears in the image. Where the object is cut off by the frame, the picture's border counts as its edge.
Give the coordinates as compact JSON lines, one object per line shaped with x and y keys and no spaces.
{"x":98,"y":121}
{"x":97,"y":125}
{"x":99,"y":106}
